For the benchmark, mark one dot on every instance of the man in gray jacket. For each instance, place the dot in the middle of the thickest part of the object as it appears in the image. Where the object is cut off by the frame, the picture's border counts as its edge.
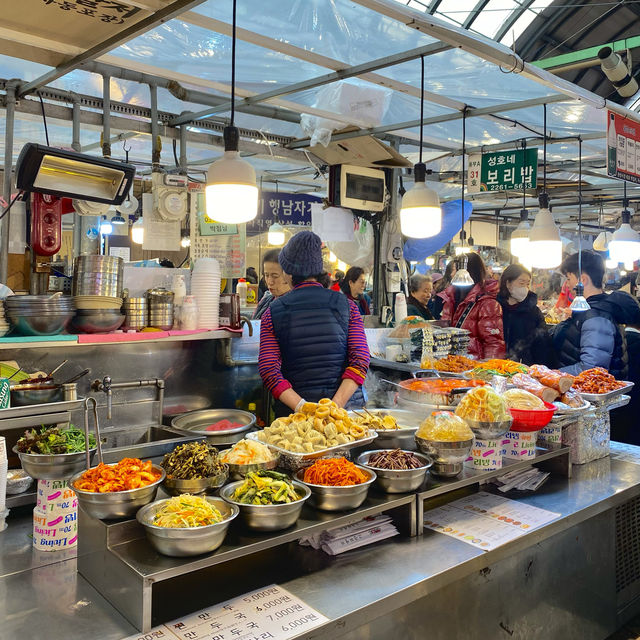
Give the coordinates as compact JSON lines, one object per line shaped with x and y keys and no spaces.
{"x":595,"y":338}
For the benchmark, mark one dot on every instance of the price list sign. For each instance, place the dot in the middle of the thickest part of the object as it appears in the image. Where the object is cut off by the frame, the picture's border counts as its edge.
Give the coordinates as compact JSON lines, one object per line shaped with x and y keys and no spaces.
{"x":623,"y":147}
{"x":271,"y":613}
{"x":503,"y":171}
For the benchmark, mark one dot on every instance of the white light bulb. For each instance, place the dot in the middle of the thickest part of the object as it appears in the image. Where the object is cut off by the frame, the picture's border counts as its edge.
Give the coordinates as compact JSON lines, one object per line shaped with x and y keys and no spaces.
{"x":106,"y":228}
{"x":545,"y":246}
{"x":420,"y":212}
{"x":137,"y":231}
{"x":430,"y":261}
{"x":275,"y":235}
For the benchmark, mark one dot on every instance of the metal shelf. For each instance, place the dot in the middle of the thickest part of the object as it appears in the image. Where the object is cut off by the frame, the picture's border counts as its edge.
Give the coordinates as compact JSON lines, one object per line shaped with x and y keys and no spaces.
{"x":120,"y":563}
{"x":555,"y":457}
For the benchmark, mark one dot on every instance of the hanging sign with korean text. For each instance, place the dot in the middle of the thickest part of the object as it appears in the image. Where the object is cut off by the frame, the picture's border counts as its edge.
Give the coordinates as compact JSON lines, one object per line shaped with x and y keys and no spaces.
{"x":503,"y":171}
{"x":623,"y":147}
{"x":284,"y":208}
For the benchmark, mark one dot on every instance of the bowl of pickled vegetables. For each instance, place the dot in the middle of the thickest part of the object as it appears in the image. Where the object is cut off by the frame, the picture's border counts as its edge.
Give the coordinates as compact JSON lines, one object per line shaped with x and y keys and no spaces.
{"x":194,"y":468}
{"x":268,"y":500}
{"x":187,"y":525}
{"x":247,"y":456}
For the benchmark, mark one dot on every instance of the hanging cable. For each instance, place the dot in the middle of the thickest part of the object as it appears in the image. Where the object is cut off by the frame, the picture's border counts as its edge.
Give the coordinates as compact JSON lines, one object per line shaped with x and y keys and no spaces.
{"x":524,"y":181}
{"x":544,"y":150}
{"x":44,"y":118}
{"x":233,"y":65}
{"x":464,"y":147}
{"x":422,"y":107}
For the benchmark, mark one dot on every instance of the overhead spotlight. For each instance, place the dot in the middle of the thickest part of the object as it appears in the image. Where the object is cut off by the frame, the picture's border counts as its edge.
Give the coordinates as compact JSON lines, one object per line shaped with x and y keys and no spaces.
{"x":617,"y":72}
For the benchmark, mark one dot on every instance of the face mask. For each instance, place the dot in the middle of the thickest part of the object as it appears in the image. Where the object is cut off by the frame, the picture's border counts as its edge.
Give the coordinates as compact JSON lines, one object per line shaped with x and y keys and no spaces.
{"x":519,"y":293}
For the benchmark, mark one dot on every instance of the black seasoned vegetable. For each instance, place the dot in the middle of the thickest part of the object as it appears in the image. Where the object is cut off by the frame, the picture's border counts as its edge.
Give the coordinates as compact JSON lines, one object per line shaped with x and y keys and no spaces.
{"x":193,"y":461}
{"x":396,"y":460}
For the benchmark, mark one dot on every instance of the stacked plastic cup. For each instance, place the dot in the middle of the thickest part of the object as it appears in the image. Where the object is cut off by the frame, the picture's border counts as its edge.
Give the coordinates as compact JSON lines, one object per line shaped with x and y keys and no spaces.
{"x":4,"y":468}
{"x":205,"y":287}
{"x":55,"y":517}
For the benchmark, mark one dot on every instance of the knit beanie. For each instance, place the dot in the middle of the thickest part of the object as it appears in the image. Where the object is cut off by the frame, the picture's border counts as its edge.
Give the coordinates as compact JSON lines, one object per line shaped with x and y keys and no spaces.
{"x":302,"y":255}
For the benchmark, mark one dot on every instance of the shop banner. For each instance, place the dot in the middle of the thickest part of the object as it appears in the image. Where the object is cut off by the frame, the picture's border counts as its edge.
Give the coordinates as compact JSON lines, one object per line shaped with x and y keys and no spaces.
{"x":503,"y":171}
{"x":623,"y":147}
{"x":284,"y":208}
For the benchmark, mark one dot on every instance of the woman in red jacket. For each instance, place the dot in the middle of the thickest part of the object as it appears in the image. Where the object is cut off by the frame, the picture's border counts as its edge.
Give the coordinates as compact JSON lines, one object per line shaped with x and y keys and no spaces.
{"x":475,"y":308}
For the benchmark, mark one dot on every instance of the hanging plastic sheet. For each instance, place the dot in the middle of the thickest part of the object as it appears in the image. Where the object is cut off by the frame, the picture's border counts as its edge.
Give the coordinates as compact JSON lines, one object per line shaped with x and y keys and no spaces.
{"x":416,"y":249}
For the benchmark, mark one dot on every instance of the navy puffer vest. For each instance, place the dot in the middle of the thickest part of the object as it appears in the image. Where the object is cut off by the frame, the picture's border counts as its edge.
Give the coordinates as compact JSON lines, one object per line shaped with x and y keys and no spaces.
{"x":311,"y":325}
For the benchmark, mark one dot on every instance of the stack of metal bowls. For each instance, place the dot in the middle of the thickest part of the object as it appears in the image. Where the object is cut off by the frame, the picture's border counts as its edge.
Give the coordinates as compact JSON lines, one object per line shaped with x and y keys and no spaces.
{"x":38,"y":315}
{"x":160,"y":302}
{"x":136,"y":313}
{"x":97,"y":276}
{"x":97,"y":291}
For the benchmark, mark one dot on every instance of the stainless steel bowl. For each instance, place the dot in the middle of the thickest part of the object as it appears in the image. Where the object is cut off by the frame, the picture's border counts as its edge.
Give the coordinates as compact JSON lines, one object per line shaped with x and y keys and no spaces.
{"x":192,"y":541}
{"x":328,"y":498}
{"x":489,"y":430}
{"x":195,"y":423}
{"x":239,"y":471}
{"x":268,"y":517}
{"x":97,"y":320}
{"x":397,"y":481}
{"x":448,"y":457}
{"x":116,"y":504}
{"x":49,"y":324}
{"x":29,"y":394}
{"x":397,"y":438}
{"x":177,"y":486}
{"x":53,"y":467}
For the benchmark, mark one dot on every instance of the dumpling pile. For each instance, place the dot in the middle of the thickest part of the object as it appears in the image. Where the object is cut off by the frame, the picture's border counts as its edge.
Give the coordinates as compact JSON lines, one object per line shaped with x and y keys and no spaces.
{"x":316,"y":427}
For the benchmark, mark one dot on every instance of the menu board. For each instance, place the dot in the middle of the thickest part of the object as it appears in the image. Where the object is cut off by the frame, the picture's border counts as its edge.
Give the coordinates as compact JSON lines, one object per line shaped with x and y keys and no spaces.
{"x":270,"y":613}
{"x":623,"y":147}
{"x":486,"y":521}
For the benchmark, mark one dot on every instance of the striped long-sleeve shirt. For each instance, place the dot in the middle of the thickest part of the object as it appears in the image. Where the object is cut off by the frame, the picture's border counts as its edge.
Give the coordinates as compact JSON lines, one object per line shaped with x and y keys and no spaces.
{"x":270,"y":358}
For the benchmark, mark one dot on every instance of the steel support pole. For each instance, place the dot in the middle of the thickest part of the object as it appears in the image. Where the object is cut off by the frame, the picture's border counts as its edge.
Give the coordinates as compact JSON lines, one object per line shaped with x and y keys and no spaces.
{"x":183,"y":149}
{"x":75,"y":127}
{"x":10,"y":101}
{"x":106,"y":116}
{"x":155,"y":129}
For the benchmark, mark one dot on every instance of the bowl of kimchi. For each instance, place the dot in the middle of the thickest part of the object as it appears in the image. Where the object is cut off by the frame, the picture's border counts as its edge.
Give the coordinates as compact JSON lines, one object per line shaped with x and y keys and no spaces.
{"x":112,"y":491}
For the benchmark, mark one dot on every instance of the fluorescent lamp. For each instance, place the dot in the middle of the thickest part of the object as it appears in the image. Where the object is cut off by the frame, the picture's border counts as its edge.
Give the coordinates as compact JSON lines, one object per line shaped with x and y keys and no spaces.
{"x":332,"y":257}
{"x":106,"y":228}
{"x":342,"y":266}
{"x":625,"y":244}
{"x":420,"y":212}
{"x":275,"y":235}
{"x":137,"y":231}
{"x":545,"y":246}
{"x":69,"y":174}
{"x":231,"y":192}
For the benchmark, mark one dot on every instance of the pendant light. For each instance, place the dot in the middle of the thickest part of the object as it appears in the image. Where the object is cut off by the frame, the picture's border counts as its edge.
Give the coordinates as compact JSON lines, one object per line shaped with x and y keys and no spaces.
{"x":231,"y":192}
{"x":545,"y":245}
{"x":601,"y":243}
{"x":275,"y":235}
{"x":420,"y":212}
{"x":462,"y":277}
{"x":137,"y":231}
{"x":520,"y":236}
{"x":579,"y":303}
{"x":106,"y":228}
{"x":118,"y":219}
{"x":625,"y":243}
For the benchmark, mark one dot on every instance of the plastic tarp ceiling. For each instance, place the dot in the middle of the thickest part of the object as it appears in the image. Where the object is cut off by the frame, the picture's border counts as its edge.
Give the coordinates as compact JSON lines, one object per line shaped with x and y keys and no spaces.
{"x":341,"y":31}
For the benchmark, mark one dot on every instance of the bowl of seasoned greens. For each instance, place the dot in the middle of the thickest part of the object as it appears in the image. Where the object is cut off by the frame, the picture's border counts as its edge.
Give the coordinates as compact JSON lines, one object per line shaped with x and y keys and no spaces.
{"x":268,"y":500}
{"x":195,"y":468}
{"x":53,"y":453}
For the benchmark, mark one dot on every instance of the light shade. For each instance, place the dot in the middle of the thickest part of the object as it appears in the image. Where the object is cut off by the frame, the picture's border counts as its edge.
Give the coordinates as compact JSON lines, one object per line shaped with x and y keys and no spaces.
{"x":462,"y":278}
{"x":579,"y":303}
{"x":106,"y":227}
{"x":545,"y":246}
{"x":117,"y":219}
{"x":65,"y":173}
{"x":420,"y":212}
{"x":625,"y":244}
{"x":601,"y":243}
{"x":137,"y":231}
{"x":275,"y":235}
{"x":520,"y":239}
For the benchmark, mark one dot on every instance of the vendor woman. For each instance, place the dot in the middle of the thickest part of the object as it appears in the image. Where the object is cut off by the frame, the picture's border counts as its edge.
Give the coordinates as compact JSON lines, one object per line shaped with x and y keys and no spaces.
{"x":312,"y":341}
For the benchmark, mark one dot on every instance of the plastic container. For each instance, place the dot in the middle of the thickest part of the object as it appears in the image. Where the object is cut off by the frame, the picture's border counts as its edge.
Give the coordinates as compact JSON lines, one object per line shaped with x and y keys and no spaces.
{"x":179,"y":288}
{"x":527,"y":420}
{"x":486,"y":455}
{"x":252,"y":294}
{"x":241,"y":290}
{"x":18,"y":481}
{"x":551,"y":434}
{"x":189,"y":314}
{"x":522,"y":445}
{"x":400,"y":308}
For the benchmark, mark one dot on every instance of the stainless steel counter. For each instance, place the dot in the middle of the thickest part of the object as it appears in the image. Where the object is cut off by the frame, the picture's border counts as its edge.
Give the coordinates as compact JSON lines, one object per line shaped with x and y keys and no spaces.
{"x":397,"y":589}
